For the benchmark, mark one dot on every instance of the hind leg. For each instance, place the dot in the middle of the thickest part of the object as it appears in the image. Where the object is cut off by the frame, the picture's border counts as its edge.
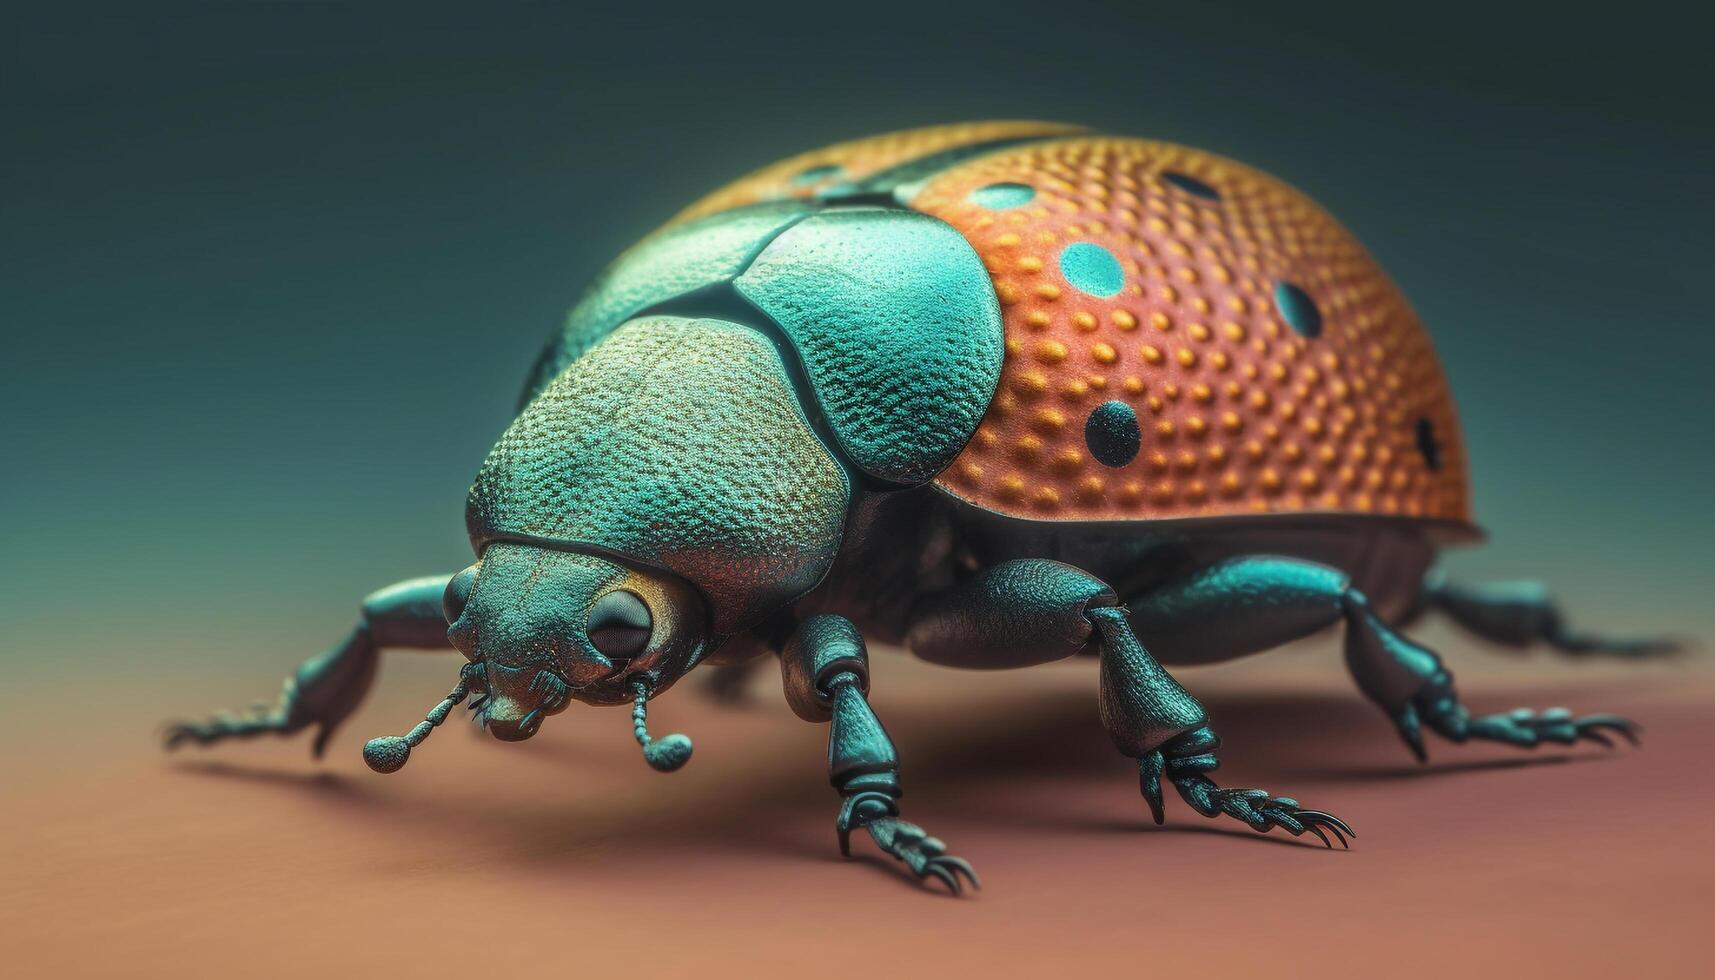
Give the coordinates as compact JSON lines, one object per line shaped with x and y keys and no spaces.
{"x":1033,"y":611}
{"x":1521,"y":614}
{"x":1247,"y":605}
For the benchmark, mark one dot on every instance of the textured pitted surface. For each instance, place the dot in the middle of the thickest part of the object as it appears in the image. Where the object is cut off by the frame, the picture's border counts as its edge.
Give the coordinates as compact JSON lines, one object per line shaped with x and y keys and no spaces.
{"x":678,"y":443}
{"x":1174,"y":283}
{"x":807,"y":174}
{"x":669,"y":263}
{"x":1021,"y":612}
{"x":895,"y":321}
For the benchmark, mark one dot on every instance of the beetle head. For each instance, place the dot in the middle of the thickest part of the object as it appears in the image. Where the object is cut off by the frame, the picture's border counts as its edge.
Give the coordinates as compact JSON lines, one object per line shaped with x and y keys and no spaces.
{"x":548,"y":627}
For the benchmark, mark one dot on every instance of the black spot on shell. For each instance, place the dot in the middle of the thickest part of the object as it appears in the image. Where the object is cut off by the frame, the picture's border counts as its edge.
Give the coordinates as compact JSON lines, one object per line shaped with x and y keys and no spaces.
{"x":1427,"y":445}
{"x":1190,"y":185}
{"x":1112,"y":434}
{"x":1297,"y":309}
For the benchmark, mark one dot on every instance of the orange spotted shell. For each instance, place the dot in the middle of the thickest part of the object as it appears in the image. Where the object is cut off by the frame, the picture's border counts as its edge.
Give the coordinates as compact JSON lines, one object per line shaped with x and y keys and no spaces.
{"x":1185,"y":336}
{"x":810,"y":174}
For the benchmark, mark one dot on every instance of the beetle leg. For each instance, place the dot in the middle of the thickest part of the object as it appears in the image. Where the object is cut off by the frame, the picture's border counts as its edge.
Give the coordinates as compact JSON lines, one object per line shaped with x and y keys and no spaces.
{"x":825,"y":668}
{"x":1246,"y":605}
{"x":327,"y":688}
{"x":1438,"y":707}
{"x":1410,"y":683}
{"x":1520,"y":614}
{"x":1152,"y":719}
{"x":1032,"y":611}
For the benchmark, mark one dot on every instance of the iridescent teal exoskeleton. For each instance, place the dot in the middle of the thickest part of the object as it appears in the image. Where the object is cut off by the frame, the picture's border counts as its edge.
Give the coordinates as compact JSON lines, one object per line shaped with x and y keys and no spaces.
{"x":1001,"y":394}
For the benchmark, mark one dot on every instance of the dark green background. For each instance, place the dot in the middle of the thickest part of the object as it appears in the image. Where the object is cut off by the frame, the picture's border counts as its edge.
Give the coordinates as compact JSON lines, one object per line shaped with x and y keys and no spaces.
{"x":273,"y":273}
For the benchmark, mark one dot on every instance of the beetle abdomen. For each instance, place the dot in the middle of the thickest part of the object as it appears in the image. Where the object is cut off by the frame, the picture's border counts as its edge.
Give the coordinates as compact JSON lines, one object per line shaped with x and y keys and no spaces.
{"x":1189,"y":336}
{"x":1184,"y":336}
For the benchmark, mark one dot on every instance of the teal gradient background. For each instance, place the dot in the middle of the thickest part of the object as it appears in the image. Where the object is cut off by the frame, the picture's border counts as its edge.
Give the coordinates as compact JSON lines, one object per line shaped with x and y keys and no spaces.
{"x":273,"y":273}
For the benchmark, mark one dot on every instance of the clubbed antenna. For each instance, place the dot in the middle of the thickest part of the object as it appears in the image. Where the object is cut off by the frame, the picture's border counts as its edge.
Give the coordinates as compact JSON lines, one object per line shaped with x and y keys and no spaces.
{"x":665,"y":755}
{"x":390,"y":752}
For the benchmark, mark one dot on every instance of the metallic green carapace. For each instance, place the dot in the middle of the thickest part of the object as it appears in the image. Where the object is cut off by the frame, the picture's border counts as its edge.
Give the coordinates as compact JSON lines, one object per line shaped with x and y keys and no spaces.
{"x":665,"y":444}
{"x":733,"y":449}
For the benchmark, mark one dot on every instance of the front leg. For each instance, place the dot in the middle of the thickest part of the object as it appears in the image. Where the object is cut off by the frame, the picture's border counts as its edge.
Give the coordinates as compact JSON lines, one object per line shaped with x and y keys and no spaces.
{"x":825,"y":669}
{"x":327,"y":688}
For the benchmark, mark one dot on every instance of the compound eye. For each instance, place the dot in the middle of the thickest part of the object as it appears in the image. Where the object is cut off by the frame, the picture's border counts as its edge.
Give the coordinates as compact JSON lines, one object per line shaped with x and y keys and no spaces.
{"x":458,"y":593}
{"x":620,"y":625}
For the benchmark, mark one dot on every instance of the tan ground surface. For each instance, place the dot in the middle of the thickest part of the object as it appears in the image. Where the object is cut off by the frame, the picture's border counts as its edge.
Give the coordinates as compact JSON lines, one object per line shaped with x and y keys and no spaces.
{"x":565,"y":856}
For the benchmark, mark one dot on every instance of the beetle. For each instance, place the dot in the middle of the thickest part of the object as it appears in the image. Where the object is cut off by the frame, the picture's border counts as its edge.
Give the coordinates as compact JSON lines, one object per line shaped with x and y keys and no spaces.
{"x":1002,"y":394}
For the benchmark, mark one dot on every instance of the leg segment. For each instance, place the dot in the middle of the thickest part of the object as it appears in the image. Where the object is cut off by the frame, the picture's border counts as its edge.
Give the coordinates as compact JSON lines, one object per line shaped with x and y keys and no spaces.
{"x":1247,"y":605}
{"x":1034,"y":611}
{"x":1015,"y":614}
{"x":1519,"y":614}
{"x":327,"y":688}
{"x":826,"y":673}
{"x":1153,"y":720}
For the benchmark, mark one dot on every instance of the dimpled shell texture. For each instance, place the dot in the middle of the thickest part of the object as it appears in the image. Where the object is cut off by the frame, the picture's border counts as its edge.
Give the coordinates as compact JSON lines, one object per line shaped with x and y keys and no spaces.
{"x":1246,"y":355}
{"x":675,"y":260}
{"x":896,"y":325}
{"x":678,"y":443}
{"x":808,"y":175}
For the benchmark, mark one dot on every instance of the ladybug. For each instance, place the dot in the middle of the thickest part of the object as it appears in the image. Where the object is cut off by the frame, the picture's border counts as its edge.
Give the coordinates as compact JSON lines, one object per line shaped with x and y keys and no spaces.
{"x":1001,"y":393}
